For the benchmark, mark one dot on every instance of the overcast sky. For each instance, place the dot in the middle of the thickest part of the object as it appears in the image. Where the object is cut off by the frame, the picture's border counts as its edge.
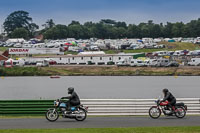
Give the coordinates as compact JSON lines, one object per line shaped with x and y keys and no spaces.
{"x":130,"y":11}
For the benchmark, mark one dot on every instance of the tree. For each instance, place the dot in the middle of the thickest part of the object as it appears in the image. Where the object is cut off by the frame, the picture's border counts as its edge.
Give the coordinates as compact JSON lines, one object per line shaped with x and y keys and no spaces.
{"x":121,"y":24}
{"x":75,"y":31}
{"x":108,"y":28}
{"x":32,"y":29}
{"x":108,"y":21}
{"x":133,"y":31}
{"x":57,"y":32}
{"x":49,"y":24}
{"x":20,"y":33}
{"x":167,"y":31}
{"x":74,"y":23}
{"x":177,"y":29}
{"x":18,"y":19}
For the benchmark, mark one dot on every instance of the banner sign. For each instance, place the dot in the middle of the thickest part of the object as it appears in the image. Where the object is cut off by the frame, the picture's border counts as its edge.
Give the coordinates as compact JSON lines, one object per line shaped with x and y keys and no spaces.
{"x":34,"y":51}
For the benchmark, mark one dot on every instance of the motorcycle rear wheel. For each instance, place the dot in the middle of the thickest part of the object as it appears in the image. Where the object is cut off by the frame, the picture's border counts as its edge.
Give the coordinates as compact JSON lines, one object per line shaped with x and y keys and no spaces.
{"x":154,"y":112}
{"x":81,"y":115}
{"x":180,"y":112}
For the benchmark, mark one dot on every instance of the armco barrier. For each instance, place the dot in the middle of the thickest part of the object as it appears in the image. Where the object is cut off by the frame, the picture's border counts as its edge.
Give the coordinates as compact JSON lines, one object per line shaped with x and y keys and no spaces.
{"x":96,"y":106}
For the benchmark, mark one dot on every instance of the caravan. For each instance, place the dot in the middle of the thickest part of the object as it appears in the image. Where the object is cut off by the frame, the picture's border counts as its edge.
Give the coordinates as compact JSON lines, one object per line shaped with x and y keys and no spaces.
{"x":139,"y":63}
{"x":194,"y":62}
{"x":10,"y":62}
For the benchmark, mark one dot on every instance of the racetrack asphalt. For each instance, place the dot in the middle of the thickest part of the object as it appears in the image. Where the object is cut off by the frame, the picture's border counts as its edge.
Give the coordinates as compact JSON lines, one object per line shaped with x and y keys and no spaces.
{"x":98,"y":122}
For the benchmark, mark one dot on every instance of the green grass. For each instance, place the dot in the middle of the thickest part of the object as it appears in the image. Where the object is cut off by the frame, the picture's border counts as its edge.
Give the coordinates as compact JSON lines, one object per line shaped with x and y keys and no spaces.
{"x":71,"y":52}
{"x":109,"y":130}
{"x":22,"y":71}
{"x":172,"y":46}
{"x":3,"y":49}
{"x":143,"y":50}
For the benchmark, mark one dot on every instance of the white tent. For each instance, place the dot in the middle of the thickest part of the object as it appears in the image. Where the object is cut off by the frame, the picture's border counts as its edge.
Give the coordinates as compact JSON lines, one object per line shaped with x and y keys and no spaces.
{"x":15,"y":40}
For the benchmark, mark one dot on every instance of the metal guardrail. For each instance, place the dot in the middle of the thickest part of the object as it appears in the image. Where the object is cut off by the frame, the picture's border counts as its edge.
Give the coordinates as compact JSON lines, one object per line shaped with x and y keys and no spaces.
{"x":96,"y":106}
{"x":132,"y":106}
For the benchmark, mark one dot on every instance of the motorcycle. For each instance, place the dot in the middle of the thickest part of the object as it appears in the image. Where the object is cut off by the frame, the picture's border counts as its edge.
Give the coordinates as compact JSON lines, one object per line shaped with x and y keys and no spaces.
{"x":179,"y":110}
{"x":78,"y":113}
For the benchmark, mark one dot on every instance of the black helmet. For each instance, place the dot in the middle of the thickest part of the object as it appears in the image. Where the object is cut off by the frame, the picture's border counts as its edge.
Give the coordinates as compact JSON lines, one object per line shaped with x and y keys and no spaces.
{"x":165,"y":90}
{"x":70,"y":90}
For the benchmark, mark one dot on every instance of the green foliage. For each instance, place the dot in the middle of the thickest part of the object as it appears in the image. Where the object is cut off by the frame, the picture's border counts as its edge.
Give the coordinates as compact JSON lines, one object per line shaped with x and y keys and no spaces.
{"x":57,"y":32}
{"x":109,"y":130}
{"x":104,"y":29}
{"x":20,"y":33}
{"x":22,"y":71}
{"x":19,"y":19}
{"x":49,"y":24}
{"x":112,"y":29}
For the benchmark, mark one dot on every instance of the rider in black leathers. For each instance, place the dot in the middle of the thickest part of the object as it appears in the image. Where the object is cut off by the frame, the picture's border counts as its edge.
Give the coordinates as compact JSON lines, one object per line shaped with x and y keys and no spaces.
{"x":169,"y":97}
{"x":73,"y":98}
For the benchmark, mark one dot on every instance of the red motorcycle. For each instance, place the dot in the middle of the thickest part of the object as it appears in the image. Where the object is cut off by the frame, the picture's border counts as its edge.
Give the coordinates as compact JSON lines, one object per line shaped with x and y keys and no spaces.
{"x":179,"y":110}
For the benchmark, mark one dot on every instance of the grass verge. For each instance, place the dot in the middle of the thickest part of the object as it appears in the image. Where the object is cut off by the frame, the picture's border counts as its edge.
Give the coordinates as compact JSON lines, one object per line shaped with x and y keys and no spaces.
{"x":109,"y":130}
{"x":99,"y":71}
{"x":22,"y":71}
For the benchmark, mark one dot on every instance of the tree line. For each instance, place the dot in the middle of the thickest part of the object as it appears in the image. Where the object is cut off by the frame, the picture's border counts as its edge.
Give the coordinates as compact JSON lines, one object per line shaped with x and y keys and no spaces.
{"x":20,"y":24}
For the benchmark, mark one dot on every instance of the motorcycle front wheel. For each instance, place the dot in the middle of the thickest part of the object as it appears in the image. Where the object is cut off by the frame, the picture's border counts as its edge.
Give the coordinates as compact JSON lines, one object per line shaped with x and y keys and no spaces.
{"x":81,"y":115}
{"x":180,"y":112}
{"x":52,"y":115}
{"x":154,"y":112}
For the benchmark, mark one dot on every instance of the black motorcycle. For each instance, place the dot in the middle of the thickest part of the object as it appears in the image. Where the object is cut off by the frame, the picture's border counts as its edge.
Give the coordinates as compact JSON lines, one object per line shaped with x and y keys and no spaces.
{"x":78,"y":113}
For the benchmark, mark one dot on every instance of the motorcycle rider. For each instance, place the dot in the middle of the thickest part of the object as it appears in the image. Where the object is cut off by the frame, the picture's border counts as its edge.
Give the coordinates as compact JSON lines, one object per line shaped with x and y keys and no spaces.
{"x":170,"y":98}
{"x":73,"y":99}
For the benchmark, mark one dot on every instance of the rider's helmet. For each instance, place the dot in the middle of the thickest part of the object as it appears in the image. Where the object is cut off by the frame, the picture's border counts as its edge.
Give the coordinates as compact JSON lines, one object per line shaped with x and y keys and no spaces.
{"x":70,"y":90}
{"x":165,"y":90}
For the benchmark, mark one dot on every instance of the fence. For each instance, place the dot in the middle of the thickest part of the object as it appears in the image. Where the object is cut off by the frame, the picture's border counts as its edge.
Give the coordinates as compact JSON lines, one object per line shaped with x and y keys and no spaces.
{"x":96,"y":106}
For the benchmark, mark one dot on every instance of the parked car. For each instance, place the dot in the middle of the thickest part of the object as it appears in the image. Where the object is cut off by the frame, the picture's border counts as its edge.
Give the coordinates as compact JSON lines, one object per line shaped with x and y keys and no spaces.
{"x":173,"y":64}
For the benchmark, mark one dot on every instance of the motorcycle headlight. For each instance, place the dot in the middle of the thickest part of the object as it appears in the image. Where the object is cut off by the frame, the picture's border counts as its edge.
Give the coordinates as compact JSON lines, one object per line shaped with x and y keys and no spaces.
{"x":56,"y":103}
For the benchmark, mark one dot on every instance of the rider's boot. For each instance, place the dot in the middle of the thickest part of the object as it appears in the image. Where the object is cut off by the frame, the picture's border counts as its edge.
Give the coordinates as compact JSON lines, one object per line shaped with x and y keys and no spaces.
{"x":68,"y":110}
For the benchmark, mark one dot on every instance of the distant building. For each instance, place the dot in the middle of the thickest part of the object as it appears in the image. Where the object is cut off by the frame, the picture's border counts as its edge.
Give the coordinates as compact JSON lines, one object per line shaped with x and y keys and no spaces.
{"x":89,"y":59}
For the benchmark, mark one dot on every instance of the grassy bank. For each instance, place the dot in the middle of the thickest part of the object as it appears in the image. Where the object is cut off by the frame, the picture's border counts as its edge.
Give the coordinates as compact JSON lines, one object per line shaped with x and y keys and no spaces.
{"x":110,"y":130}
{"x":120,"y":71}
{"x":3,"y":49}
{"x":22,"y":71}
{"x":99,"y":71}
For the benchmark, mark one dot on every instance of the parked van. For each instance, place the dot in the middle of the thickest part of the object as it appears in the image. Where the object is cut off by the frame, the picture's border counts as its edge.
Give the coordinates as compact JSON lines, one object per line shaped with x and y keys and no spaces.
{"x":194,"y":62}
{"x":160,"y":53}
{"x":166,"y":63}
{"x":152,"y":62}
{"x":123,"y":63}
{"x":162,"y":62}
{"x":42,"y":63}
{"x":139,"y":63}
